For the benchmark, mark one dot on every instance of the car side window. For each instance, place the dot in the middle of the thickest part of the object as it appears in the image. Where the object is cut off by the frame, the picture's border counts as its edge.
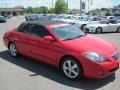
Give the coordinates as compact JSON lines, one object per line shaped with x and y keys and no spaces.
{"x":36,"y":30}
{"x":23,"y":28}
{"x":96,"y":19}
{"x":113,"y":21}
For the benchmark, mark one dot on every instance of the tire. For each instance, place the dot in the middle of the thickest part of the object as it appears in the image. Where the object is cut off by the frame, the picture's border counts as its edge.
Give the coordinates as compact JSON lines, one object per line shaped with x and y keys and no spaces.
{"x":83,"y":27}
{"x":13,"y":50}
{"x":71,"y":68}
{"x":118,"y":29}
{"x":98,"y":30}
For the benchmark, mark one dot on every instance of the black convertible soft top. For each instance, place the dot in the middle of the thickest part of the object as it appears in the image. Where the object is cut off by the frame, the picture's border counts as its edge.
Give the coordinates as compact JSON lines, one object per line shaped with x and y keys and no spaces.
{"x":44,"y":22}
{"x":41,"y":23}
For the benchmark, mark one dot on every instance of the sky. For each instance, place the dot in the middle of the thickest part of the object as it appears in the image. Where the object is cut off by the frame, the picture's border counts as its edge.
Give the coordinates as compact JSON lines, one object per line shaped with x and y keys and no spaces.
{"x":48,"y":3}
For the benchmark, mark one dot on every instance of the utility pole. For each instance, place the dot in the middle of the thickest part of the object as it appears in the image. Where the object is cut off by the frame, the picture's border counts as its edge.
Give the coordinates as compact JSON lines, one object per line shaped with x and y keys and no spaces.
{"x":80,"y":7}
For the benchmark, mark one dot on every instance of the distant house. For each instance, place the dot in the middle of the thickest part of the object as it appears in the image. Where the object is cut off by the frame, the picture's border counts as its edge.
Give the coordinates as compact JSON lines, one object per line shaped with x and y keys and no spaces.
{"x":12,"y":11}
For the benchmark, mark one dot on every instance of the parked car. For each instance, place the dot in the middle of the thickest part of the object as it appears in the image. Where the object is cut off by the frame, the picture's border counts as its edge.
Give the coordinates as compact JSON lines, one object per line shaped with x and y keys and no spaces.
{"x":8,"y":16}
{"x":110,"y":17}
{"x":31,"y":17}
{"x":113,"y":18}
{"x":104,"y":26}
{"x":73,"y":19}
{"x":64,"y":46}
{"x":2,"y":19}
{"x":84,"y":21}
{"x":55,"y":18}
{"x":40,"y":18}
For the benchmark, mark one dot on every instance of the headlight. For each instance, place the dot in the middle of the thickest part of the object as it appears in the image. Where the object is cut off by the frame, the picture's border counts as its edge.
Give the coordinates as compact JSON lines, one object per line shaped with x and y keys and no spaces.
{"x":94,"y":57}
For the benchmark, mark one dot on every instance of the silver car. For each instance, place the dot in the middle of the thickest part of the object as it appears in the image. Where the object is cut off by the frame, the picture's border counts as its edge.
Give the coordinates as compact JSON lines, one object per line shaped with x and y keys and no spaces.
{"x":103,"y":26}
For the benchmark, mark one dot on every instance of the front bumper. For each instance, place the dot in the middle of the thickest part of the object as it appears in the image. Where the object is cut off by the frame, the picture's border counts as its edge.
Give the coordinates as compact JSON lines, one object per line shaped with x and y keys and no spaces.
{"x":99,"y":70}
{"x":90,"y":30}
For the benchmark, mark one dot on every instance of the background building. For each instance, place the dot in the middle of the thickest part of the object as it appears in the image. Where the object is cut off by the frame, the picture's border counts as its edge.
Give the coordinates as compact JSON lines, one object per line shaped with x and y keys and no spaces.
{"x":12,"y":11}
{"x":116,"y":9}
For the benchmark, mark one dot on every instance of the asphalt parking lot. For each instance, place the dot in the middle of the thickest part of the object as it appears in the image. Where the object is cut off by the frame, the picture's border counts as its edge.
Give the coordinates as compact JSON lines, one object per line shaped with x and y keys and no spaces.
{"x":26,"y":74}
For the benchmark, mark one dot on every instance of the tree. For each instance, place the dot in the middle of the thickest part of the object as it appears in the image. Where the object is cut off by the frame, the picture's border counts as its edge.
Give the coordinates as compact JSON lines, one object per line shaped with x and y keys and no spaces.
{"x":29,"y":10}
{"x":50,"y":10}
{"x":60,"y":7}
{"x":44,"y":9}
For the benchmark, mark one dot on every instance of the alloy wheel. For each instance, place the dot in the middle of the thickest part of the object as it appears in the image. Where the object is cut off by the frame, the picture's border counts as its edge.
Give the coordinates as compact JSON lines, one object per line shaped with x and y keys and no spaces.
{"x":71,"y":69}
{"x":13,"y":50}
{"x":98,"y":30}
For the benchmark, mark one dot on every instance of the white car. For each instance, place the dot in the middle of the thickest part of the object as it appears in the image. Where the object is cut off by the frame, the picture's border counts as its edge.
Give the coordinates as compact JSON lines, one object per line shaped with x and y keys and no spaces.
{"x":67,"y":18}
{"x":84,"y":21}
{"x":73,"y":19}
{"x":103,"y":26}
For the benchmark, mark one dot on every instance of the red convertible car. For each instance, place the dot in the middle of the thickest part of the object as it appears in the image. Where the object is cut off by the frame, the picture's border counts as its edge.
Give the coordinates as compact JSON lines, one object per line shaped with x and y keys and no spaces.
{"x":64,"y":46}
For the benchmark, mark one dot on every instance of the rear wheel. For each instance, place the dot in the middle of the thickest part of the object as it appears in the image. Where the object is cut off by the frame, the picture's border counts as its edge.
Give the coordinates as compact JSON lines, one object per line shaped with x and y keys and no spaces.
{"x":98,"y":30}
{"x":118,"y":29}
{"x":71,"y":68}
{"x":13,"y":50}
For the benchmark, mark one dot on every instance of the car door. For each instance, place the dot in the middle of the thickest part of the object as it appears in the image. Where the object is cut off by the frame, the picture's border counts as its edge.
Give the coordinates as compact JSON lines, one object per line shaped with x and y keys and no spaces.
{"x":105,"y":27}
{"x":39,"y":48}
{"x":20,"y":39}
{"x":112,"y":25}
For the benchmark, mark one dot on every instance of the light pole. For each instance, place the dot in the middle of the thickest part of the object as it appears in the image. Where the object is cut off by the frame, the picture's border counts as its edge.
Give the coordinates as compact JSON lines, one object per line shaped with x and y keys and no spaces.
{"x":88,"y":6}
{"x":80,"y":7}
{"x":52,"y":3}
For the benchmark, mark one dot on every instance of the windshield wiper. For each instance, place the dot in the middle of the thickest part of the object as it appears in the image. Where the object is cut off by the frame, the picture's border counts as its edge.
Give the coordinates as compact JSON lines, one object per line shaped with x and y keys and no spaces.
{"x":68,"y":39}
{"x":74,"y":37}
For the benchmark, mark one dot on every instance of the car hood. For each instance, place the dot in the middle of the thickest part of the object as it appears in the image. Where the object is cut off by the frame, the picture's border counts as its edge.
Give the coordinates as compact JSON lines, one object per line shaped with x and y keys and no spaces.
{"x":91,"y":44}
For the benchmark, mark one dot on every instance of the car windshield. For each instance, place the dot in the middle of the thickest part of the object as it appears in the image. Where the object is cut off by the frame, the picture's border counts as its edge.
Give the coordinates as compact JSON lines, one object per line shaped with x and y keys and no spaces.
{"x":84,"y":19}
{"x":68,"y":32}
{"x":41,"y":18}
{"x":103,"y":22}
{"x":76,"y":18}
{"x":68,"y":17}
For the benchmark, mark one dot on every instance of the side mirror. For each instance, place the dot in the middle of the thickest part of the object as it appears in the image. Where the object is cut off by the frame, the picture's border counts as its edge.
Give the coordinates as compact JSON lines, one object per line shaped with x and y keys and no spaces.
{"x":49,"y":38}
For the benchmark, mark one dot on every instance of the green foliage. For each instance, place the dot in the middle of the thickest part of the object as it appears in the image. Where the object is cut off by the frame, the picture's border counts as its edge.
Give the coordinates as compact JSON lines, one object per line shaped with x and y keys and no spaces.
{"x":50,"y":10}
{"x":29,"y":10}
{"x":60,"y":7}
{"x":37,"y":10}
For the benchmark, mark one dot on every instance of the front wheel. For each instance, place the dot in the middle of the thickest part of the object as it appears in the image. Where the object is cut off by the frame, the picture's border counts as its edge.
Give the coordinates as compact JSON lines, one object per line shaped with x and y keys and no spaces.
{"x":71,"y":68}
{"x":13,"y":50}
{"x":118,"y":29}
{"x":98,"y":30}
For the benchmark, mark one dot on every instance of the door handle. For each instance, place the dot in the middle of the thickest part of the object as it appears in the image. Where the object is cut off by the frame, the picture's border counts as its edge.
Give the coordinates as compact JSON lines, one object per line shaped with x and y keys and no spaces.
{"x":16,"y":39}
